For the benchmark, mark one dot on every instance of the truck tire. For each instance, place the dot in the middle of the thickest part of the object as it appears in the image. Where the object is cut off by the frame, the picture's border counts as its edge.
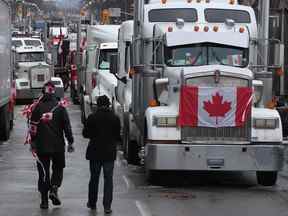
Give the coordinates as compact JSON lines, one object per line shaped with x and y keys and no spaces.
{"x":267,"y":178}
{"x":12,"y":120}
{"x":83,"y":117}
{"x":130,"y":147}
{"x":4,"y":123}
{"x":73,"y":95}
{"x":150,"y":176}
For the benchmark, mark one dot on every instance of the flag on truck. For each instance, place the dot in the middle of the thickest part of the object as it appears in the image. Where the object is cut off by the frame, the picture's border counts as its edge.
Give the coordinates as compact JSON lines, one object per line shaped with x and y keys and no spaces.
{"x":214,"y":107}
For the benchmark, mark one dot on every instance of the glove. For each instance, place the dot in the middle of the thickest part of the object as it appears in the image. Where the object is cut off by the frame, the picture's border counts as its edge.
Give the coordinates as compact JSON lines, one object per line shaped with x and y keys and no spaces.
{"x":33,"y":151}
{"x":70,"y":148}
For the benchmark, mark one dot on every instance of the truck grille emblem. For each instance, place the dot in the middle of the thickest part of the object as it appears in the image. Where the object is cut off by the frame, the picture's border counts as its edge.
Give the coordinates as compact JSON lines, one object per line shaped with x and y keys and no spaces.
{"x":217,"y":76}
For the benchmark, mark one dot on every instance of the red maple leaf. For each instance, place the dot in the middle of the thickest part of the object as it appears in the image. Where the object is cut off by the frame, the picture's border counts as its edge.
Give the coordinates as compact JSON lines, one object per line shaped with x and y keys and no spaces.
{"x":217,"y":108}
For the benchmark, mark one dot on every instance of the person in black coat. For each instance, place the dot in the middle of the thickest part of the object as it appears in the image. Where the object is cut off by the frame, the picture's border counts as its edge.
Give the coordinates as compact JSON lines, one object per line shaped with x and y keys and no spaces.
{"x":103,"y":130}
{"x":49,"y":123}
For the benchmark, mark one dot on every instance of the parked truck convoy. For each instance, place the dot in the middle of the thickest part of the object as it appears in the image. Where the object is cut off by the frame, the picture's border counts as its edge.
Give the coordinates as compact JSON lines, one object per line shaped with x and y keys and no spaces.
{"x":6,"y":77}
{"x":189,"y":96}
{"x":101,"y":44}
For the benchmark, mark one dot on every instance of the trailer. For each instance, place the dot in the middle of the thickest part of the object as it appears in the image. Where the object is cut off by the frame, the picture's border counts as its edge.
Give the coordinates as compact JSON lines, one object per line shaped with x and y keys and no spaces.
{"x":7,"y":95}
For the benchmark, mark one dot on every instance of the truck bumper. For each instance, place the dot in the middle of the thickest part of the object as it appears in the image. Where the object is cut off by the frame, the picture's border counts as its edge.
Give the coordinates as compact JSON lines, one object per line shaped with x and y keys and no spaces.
{"x":214,"y":158}
{"x":25,"y":94}
{"x":22,"y":94}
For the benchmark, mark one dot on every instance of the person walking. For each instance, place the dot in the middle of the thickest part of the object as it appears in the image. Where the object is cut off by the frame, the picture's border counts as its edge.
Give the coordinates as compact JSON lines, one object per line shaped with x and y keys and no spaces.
{"x":103,"y":130}
{"x":49,"y":122}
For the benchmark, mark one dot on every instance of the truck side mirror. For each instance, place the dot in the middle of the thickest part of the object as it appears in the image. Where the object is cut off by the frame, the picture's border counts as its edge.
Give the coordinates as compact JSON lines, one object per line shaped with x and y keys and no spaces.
{"x":258,"y":91}
{"x":113,"y":64}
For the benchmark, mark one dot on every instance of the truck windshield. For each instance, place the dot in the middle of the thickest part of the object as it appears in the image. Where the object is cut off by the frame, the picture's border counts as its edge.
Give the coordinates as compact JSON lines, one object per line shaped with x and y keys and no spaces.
{"x":206,"y":54}
{"x":30,"y":57}
{"x":104,"y":58}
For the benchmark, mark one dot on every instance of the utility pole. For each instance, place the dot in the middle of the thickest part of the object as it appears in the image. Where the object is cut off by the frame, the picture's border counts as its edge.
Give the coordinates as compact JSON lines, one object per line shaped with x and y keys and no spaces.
{"x":263,"y":47}
{"x":264,"y":13}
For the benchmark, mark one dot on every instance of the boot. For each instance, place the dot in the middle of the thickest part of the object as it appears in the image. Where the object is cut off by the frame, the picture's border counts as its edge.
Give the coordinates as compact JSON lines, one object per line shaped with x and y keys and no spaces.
{"x":44,"y":201}
{"x":54,"y":196}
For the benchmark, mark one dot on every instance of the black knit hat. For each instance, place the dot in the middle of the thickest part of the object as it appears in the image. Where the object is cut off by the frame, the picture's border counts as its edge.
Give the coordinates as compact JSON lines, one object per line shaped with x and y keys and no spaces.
{"x":103,"y":101}
{"x":48,"y":88}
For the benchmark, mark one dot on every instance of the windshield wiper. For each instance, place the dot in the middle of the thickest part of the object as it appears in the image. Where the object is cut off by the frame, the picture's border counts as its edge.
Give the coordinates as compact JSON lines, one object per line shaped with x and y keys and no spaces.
{"x":217,"y":58}
{"x":196,"y":59}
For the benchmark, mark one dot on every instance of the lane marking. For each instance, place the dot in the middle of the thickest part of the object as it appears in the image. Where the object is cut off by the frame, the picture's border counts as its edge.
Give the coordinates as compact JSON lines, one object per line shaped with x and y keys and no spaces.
{"x":128,"y":182}
{"x":120,"y":160}
{"x":143,"y":208}
{"x":118,"y":164}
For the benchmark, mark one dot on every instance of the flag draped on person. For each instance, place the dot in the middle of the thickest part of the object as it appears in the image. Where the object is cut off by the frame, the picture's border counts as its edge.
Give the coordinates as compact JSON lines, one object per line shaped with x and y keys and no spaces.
{"x":214,"y":106}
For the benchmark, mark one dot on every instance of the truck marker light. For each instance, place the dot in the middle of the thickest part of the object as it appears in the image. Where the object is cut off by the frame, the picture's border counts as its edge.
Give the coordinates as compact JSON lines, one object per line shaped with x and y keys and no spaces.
{"x":241,"y":29}
{"x":206,"y":28}
{"x":232,"y":2}
{"x":131,"y":72}
{"x":215,"y":28}
{"x":198,"y":1}
{"x":163,"y":1}
{"x":207,"y":1}
{"x":271,"y":104}
{"x":170,"y":29}
{"x":279,"y":72}
{"x":153,"y":103}
{"x":196,"y":28}
{"x":189,"y":1}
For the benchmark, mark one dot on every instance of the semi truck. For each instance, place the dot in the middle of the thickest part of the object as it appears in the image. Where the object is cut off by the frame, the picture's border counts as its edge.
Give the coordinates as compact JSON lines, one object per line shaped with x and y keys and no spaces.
{"x":31,"y":70}
{"x":191,"y":61}
{"x":6,"y":77}
{"x":124,"y":91}
{"x":101,"y":44}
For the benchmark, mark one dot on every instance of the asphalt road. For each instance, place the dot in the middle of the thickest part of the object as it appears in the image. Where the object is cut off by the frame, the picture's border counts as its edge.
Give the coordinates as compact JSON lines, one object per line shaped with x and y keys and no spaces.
{"x":172,"y":194}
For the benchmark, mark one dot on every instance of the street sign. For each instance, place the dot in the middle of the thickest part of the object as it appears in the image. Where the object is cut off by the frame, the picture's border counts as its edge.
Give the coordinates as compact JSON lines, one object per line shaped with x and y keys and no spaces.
{"x":115,"y":12}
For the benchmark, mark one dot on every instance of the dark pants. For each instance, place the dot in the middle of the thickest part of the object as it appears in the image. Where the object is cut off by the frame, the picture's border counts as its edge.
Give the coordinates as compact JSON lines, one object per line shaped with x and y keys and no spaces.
{"x":95,"y":170}
{"x":58,"y":163}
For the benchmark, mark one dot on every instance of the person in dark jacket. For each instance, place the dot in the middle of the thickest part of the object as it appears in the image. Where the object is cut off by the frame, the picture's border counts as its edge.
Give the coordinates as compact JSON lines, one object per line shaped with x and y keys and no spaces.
{"x":103,"y":130}
{"x":50,"y":121}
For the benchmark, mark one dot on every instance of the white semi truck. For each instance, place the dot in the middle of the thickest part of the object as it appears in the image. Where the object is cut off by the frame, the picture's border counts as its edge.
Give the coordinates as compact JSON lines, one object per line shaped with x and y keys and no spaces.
{"x":101,"y":44}
{"x":6,"y":77}
{"x":31,"y":70}
{"x":186,"y":57}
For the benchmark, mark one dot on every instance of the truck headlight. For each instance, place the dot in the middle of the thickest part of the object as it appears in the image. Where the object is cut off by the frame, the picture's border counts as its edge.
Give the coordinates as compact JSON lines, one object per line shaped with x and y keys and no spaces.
{"x":266,"y":123}
{"x":165,"y":121}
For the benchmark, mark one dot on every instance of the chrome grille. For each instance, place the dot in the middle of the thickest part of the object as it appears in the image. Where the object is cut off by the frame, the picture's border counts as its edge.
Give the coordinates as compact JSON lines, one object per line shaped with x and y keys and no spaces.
{"x":216,"y":135}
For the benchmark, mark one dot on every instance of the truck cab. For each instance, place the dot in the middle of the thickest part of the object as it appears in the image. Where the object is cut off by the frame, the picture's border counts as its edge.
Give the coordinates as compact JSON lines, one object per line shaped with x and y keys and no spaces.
{"x":101,"y":44}
{"x":31,"y":70}
{"x":203,"y":47}
{"x":105,"y":82}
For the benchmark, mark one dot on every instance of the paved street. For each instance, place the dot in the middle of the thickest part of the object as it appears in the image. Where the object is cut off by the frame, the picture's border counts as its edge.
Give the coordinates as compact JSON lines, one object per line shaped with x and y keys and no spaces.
{"x":173,"y":194}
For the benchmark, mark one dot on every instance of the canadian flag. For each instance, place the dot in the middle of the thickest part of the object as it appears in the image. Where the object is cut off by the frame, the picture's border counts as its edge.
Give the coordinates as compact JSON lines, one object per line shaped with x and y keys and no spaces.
{"x":214,"y":107}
